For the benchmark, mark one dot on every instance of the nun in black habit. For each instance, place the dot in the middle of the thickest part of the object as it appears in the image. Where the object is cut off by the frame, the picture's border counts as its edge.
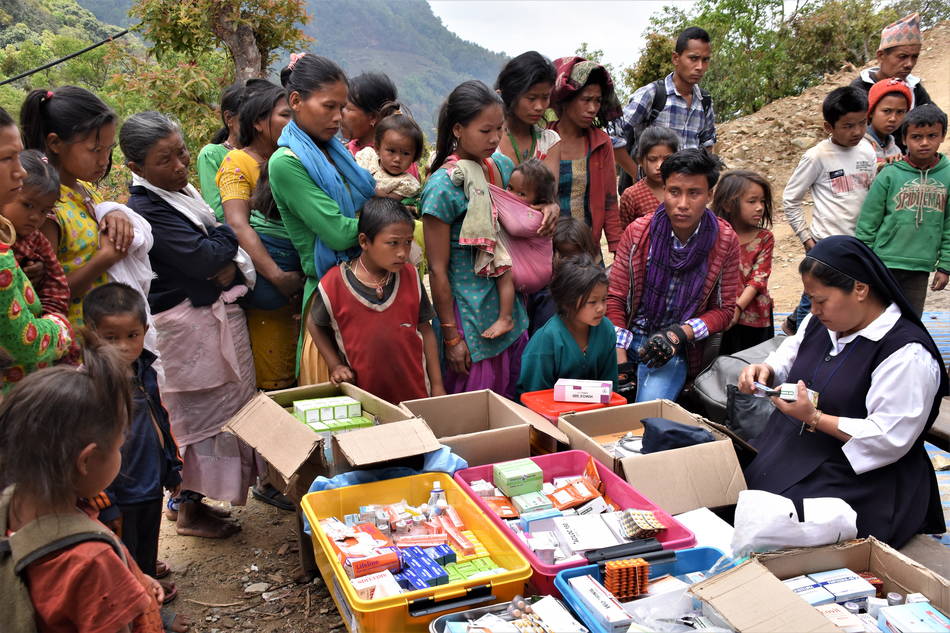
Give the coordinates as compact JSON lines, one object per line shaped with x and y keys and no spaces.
{"x":880,"y":380}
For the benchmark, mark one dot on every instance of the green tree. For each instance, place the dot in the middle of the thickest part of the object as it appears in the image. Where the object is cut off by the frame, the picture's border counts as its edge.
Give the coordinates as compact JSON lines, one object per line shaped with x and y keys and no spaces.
{"x":252,"y":31}
{"x":768,"y":49}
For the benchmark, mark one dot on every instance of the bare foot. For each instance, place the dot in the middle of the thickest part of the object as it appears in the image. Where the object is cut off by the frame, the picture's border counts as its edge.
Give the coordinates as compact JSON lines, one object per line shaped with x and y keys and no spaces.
{"x":502,"y":326}
{"x":179,"y":623}
{"x":196,"y":519}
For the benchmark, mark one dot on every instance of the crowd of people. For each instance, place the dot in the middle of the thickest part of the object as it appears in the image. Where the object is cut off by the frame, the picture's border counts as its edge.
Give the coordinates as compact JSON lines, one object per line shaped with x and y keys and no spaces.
{"x":133,"y":331}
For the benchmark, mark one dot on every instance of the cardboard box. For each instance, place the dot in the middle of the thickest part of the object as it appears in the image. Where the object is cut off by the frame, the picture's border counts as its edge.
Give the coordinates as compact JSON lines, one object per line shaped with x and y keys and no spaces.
{"x":751,"y":597}
{"x":678,"y":480}
{"x":297,"y":454}
{"x":483,"y":427}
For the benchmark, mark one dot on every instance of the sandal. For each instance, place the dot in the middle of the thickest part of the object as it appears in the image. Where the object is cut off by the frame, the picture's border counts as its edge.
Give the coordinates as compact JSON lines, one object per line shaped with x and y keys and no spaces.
{"x":161,"y":569}
{"x":171,"y":592}
{"x":270,"y":495}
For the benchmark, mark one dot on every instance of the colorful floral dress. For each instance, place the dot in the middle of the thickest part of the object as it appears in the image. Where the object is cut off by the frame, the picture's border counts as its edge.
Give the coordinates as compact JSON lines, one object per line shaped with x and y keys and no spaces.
{"x":755,"y":266}
{"x":78,"y":237}
{"x":27,"y":341}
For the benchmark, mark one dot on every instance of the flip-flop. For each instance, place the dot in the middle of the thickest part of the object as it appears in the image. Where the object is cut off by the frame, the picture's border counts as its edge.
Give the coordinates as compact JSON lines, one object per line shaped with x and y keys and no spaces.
{"x":171,"y":592}
{"x":162,"y":569}
{"x":272,"y":496}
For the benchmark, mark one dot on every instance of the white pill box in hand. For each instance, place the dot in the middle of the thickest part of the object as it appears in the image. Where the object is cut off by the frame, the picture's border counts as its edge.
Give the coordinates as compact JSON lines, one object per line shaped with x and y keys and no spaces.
{"x":571,"y":390}
{"x":787,"y":391}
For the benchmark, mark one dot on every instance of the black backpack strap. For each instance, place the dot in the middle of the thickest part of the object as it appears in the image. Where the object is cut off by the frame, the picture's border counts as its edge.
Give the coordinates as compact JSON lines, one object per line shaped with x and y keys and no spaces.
{"x":659,"y":102}
{"x":707,"y":100}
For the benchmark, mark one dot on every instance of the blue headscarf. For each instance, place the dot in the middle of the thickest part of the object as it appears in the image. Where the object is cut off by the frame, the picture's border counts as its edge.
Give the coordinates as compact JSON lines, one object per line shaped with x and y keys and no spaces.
{"x":343,"y":180}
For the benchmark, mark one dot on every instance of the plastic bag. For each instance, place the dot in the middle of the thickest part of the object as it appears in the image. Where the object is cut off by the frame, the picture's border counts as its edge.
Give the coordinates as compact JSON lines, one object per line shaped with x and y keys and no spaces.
{"x":766,"y":522}
{"x":441,"y":460}
{"x":531,"y":254}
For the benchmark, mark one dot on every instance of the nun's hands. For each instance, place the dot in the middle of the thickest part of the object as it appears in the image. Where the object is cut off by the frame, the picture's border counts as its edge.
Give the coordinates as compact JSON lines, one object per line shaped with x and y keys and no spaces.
{"x":759,"y":372}
{"x":802,"y":409}
{"x":940,"y":280}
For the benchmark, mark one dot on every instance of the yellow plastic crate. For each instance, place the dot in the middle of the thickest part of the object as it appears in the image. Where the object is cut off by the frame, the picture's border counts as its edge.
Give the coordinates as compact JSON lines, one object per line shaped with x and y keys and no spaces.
{"x":411,"y":611}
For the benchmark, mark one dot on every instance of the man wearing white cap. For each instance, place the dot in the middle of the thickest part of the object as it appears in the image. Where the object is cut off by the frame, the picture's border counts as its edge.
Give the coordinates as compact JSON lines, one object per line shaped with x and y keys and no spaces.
{"x":896,"y":57}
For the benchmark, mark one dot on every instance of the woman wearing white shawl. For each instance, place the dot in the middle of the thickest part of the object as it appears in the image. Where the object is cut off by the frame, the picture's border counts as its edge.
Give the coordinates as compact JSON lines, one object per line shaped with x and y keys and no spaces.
{"x":202,"y":334}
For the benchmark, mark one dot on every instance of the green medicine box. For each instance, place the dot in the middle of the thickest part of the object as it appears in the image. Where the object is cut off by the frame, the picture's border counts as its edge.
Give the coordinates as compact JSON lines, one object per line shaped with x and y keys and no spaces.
{"x":517,"y":477}
{"x":327,"y":409}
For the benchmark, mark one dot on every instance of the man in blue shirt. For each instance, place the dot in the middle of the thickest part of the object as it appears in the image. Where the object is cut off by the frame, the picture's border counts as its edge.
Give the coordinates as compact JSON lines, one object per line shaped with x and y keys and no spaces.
{"x":686,"y":109}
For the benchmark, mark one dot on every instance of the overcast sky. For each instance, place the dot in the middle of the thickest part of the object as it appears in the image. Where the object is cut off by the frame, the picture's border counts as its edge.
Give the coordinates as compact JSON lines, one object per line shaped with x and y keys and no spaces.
{"x":557,"y":27}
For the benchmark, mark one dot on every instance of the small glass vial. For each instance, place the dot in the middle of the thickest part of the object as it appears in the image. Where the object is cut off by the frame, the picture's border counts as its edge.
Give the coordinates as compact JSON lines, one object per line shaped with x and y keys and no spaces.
{"x":894,"y":598}
{"x":852,"y":607}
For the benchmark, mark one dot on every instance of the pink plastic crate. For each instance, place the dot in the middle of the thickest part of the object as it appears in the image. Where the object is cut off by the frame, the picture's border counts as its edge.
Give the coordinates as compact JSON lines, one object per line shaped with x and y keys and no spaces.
{"x":567,"y":464}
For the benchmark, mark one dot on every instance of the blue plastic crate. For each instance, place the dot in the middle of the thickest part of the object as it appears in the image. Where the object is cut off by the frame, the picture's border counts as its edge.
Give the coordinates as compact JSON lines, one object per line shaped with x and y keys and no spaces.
{"x":687,"y":561}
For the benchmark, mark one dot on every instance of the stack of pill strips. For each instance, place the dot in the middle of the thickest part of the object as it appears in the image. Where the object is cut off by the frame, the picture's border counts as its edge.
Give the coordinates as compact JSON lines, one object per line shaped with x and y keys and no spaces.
{"x":627,"y":578}
{"x":638,"y":524}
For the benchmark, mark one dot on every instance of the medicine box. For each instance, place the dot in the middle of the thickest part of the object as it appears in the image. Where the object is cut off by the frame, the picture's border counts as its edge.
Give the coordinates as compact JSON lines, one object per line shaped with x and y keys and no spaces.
{"x":571,"y":390}
{"x":844,"y":584}
{"x":601,"y":604}
{"x":789,"y":393}
{"x":531,"y":502}
{"x":517,"y":477}
{"x":324,"y":409}
{"x":809,"y":590}
{"x":580,"y":534}
{"x":917,"y":617}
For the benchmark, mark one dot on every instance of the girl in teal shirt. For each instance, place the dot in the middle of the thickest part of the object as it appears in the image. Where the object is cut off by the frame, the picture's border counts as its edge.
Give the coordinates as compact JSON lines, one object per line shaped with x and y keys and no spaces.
{"x":579,"y":341}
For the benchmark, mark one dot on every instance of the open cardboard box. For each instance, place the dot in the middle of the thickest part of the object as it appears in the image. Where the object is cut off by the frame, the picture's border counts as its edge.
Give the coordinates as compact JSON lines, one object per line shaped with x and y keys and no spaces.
{"x":751,"y":597}
{"x":678,"y":480}
{"x":483,"y":427}
{"x":298,"y":454}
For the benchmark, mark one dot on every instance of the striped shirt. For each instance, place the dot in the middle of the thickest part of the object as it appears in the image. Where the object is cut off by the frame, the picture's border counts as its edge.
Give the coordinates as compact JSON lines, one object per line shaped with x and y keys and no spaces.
{"x":695,"y":127}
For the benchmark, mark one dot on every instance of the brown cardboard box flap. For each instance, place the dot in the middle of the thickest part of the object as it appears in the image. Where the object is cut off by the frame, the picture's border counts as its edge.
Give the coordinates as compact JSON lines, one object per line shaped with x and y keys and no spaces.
{"x":899,"y":573}
{"x":536,"y":420}
{"x":707,"y":475}
{"x":262,"y":420}
{"x":474,"y":411}
{"x":494,"y":445}
{"x":750,"y":599}
{"x":386,"y":442}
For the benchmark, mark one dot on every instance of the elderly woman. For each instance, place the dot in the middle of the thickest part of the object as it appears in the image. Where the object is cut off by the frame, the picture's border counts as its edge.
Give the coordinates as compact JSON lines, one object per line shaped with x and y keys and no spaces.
{"x":202,"y":334}
{"x":585,"y":101}
{"x":879,"y":379}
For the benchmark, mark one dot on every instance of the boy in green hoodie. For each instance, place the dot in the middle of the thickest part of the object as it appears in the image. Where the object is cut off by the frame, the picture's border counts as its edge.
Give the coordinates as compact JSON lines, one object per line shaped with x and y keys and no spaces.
{"x":905,"y":218}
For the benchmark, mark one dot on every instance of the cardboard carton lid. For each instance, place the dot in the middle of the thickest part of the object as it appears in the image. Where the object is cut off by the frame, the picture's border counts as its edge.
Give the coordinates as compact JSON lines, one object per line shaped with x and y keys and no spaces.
{"x":751,"y":599}
{"x":385,"y":442}
{"x":707,"y":475}
{"x":261,"y":420}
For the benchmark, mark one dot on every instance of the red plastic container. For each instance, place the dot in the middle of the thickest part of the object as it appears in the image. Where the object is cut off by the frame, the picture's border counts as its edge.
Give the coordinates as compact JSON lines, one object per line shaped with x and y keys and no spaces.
{"x":543,"y":402}
{"x":566,"y":464}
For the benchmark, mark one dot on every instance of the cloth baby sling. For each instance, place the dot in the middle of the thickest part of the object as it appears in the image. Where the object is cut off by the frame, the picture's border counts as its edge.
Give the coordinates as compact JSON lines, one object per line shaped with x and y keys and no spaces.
{"x":38,"y":538}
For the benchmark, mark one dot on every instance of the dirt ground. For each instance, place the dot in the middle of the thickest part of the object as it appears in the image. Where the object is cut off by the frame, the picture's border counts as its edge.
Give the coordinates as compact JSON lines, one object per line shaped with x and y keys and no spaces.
{"x":212,"y":576}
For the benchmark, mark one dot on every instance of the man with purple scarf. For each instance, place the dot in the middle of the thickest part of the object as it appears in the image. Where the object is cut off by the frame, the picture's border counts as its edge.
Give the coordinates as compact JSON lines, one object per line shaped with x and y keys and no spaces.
{"x":675,"y":279}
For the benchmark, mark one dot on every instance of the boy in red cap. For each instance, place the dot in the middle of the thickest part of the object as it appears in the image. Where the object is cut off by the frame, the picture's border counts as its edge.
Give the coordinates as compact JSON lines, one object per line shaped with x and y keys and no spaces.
{"x":888,"y":102}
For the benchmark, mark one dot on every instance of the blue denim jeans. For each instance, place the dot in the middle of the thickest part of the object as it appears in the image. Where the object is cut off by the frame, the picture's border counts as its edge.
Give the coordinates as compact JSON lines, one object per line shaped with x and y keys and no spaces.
{"x":664,"y":382}
{"x":265,"y":295}
{"x":804,"y":307}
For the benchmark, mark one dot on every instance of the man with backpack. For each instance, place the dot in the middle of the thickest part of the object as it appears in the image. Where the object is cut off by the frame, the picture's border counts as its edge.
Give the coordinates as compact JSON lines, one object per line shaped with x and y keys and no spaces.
{"x":675,"y":102}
